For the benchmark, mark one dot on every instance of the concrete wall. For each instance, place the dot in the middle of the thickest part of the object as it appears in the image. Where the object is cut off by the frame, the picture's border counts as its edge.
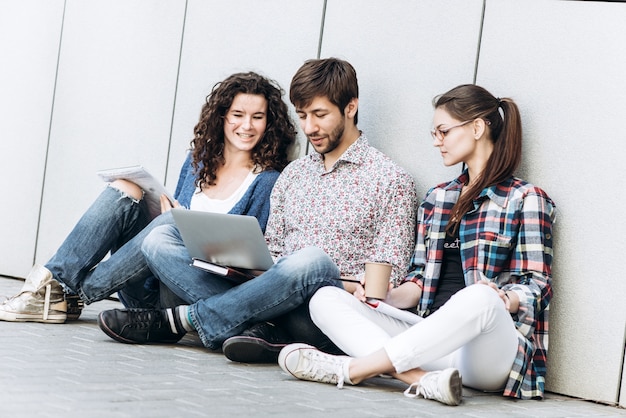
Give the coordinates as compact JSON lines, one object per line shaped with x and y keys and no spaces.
{"x":104,"y":83}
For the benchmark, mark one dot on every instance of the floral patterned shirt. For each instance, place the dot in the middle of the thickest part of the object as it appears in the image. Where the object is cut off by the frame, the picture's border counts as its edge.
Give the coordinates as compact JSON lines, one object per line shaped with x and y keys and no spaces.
{"x":362,"y":209}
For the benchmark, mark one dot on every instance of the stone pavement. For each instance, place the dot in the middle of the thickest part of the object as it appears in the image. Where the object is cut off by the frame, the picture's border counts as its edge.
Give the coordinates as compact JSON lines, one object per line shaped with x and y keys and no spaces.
{"x":74,"y":370}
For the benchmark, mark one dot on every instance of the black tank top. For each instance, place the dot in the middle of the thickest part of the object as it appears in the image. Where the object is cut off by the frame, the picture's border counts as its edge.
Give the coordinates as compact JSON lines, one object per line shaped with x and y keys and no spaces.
{"x":451,"y":279}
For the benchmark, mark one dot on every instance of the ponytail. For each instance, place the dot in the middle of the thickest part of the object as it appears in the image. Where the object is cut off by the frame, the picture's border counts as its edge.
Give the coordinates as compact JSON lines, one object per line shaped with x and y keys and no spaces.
{"x":468,"y":102}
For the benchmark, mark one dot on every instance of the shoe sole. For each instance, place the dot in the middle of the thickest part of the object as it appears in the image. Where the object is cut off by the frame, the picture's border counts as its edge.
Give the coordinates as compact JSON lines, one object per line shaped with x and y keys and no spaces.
{"x":456,"y":389}
{"x":111,"y":334}
{"x":15,"y":317}
{"x":251,"y":350}
{"x":74,"y":308}
{"x":73,"y":316}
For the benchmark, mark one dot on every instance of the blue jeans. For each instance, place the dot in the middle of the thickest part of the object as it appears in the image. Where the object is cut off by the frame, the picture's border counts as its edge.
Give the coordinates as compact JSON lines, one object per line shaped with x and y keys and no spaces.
{"x":115,"y":223}
{"x":220,"y":309}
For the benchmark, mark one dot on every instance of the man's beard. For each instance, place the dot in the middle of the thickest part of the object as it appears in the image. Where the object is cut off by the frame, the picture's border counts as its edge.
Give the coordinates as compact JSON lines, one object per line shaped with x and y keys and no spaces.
{"x":334,"y":139}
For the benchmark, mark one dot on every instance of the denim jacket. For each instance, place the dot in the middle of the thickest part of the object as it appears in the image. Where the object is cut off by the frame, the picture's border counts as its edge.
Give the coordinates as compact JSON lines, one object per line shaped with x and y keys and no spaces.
{"x":255,"y":202}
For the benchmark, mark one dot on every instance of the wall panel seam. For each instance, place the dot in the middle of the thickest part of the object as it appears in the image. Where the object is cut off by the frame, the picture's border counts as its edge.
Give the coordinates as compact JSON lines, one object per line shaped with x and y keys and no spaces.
{"x":45,"y":163}
{"x":180,"y":58}
{"x":480,"y":39}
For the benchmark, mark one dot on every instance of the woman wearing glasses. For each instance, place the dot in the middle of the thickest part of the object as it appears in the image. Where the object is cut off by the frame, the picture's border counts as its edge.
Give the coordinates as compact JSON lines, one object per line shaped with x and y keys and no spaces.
{"x":240,"y":144}
{"x":479,"y":282}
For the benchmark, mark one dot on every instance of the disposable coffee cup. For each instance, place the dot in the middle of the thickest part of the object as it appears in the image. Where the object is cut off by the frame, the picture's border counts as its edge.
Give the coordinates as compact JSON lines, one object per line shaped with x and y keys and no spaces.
{"x":377,"y":279}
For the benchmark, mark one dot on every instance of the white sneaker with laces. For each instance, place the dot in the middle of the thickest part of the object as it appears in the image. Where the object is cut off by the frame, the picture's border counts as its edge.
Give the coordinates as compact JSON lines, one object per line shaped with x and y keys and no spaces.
{"x":443,"y":385}
{"x":306,"y":362}
{"x":41,"y":300}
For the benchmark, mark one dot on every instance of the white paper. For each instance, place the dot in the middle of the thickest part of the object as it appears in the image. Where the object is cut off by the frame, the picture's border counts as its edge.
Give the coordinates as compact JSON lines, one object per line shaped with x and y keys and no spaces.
{"x":394,"y":312}
{"x":210,"y":267}
{"x":141,"y":177}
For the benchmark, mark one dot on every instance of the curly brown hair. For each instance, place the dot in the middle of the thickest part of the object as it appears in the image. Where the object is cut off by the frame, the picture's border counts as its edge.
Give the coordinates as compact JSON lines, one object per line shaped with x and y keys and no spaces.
{"x":272,"y":152}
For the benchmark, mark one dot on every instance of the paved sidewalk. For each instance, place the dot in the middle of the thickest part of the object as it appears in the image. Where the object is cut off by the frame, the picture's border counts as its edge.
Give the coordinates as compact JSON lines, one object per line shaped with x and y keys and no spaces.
{"x":74,"y":370}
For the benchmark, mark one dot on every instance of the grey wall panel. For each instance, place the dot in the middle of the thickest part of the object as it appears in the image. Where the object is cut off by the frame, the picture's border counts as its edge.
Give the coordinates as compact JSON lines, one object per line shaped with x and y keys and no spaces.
{"x":622,"y":396}
{"x":27,"y":74}
{"x":114,"y":102}
{"x":405,"y":54}
{"x":222,"y":38}
{"x":564,"y":64}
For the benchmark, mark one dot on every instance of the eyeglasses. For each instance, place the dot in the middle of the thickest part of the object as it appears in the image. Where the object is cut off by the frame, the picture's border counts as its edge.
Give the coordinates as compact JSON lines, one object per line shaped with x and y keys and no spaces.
{"x":440,"y":134}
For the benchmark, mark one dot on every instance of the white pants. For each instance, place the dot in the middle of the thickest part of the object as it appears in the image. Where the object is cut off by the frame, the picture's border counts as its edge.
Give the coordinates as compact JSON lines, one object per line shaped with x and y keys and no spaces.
{"x":472,"y":332}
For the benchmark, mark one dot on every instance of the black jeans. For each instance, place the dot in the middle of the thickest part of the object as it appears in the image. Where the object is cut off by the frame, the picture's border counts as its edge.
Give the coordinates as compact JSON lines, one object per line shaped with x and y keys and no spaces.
{"x":299,"y":325}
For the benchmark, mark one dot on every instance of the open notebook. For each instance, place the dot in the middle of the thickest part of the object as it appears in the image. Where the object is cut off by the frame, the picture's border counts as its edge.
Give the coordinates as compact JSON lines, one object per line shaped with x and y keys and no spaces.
{"x":140,"y":176}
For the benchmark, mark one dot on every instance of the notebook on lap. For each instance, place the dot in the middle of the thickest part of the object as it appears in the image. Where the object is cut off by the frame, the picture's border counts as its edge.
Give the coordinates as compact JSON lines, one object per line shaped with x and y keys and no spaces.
{"x":223,"y":243}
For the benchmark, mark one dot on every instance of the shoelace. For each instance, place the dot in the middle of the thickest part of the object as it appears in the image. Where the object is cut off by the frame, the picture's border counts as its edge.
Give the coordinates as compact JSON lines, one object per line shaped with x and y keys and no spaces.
{"x":25,"y":293}
{"x":8,"y":301}
{"x":46,"y":302}
{"x":28,"y":293}
{"x":323,"y":368}
{"x":428,"y":387}
{"x":141,"y":318}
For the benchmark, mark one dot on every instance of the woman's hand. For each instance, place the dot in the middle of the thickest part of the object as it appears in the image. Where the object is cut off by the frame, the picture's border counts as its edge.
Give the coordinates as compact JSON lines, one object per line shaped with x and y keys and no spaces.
{"x":510,"y":299}
{"x":167,"y":205}
{"x":405,"y":296}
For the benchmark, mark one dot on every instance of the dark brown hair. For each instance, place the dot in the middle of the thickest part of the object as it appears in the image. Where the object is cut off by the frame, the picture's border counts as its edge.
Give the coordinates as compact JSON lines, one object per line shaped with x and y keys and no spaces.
{"x":272,"y":152}
{"x":332,"y":78}
{"x":504,"y":129}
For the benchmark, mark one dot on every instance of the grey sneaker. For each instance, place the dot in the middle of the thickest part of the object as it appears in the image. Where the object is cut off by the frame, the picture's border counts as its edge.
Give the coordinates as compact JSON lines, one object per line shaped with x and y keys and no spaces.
{"x":308,"y":363}
{"x":40,"y":300}
{"x":444,"y":386}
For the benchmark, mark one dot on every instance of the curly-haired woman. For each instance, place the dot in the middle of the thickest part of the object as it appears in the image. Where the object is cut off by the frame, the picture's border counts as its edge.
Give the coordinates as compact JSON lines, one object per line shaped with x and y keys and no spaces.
{"x":241,"y":142}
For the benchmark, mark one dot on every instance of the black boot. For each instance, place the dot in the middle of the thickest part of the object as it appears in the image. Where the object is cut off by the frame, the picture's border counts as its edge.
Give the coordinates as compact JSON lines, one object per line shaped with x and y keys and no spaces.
{"x":260,"y":343}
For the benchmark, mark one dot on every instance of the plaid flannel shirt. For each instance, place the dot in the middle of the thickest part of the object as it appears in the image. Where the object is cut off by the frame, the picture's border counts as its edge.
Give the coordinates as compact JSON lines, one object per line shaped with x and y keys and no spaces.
{"x":506,"y":239}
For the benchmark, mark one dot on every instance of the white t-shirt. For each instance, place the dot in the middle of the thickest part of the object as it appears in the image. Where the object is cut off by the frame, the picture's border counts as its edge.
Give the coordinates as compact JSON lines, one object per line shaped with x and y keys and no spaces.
{"x":201,"y":202}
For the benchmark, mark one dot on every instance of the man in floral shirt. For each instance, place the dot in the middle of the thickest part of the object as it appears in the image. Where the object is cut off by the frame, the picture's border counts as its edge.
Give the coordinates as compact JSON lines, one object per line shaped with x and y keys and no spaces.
{"x":331,"y":211}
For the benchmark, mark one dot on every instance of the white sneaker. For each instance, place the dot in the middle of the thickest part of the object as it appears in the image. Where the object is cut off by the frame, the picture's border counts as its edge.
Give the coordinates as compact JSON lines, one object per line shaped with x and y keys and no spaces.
{"x":308,"y":363}
{"x":41,"y":300}
{"x":444,"y":386}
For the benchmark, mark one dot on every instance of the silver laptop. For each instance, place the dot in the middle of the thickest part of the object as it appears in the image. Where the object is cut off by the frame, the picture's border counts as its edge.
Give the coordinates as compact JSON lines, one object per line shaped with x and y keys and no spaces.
{"x":227,"y":240}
